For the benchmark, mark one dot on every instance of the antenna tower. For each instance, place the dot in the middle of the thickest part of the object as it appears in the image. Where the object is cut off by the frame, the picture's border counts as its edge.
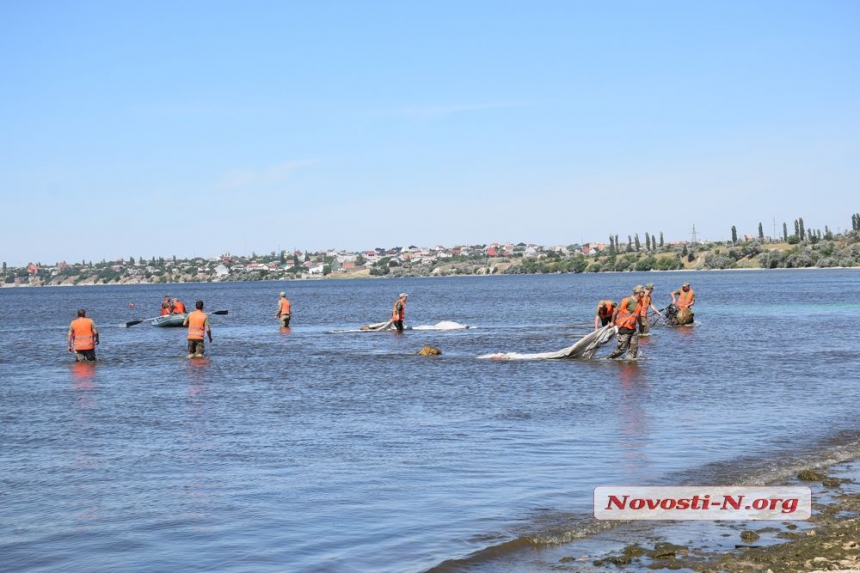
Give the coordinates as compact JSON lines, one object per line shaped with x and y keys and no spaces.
{"x":693,"y":236}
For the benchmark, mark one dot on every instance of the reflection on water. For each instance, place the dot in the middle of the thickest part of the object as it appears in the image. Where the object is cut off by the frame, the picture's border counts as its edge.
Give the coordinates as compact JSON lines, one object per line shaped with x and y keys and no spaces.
{"x":83,"y":375}
{"x":301,"y":450}
{"x":633,"y":414}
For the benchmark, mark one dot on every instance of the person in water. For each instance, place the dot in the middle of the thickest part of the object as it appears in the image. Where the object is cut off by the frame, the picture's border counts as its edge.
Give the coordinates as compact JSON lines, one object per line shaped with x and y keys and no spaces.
{"x":686,"y":297}
{"x":398,"y":313}
{"x":198,"y":325}
{"x":603,"y":316}
{"x":645,"y":304}
{"x":284,"y":310}
{"x":83,"y":337}
{"x":625,"y":318}
{"x":166,"y":307}
{"x":178,"y":307}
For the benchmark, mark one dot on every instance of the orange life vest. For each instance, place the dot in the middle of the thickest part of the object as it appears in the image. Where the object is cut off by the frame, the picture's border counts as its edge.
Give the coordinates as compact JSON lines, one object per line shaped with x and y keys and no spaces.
{"x":606,"y":310}
{"x":82,"y":330}
{"x":285,"y":306}
{"x":625,"y":318}
{"x":179,"y":307}
{"x":685,"y":299}
{"x":165,"y":308}
{"x":196,"y":325}
{"x":644,"y":305}
{"x":401,"y":313}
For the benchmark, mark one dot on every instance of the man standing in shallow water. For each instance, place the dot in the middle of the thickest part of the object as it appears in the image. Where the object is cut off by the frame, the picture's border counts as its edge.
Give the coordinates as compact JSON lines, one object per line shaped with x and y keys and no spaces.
{"x":625,"y":318}
{"x":645,"y":304}
{"x":198,"y":325}
{"x":284,"y":311}
{"x":83,"y":337}
{"x":398,"y":313}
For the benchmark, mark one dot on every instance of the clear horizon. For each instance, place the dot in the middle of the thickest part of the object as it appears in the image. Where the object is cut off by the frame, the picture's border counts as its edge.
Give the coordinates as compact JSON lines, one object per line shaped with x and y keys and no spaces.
{"x":199,"y":128}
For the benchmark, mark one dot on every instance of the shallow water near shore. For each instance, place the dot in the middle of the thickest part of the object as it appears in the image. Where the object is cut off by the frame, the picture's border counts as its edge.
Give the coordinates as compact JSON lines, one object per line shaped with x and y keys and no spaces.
{"x":308,"y":450}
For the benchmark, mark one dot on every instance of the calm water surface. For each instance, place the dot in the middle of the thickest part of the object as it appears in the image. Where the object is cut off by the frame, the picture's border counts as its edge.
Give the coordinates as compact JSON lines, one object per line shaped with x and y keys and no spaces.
{"x":308,"y":450}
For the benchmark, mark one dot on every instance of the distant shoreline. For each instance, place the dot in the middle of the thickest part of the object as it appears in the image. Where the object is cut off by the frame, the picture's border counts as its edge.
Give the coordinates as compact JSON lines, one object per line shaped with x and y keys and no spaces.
{"x":366,"y":277}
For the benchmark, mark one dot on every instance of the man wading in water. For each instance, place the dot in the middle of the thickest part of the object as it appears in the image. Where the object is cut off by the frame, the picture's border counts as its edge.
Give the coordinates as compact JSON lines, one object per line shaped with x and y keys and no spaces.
{"x":626,"y":317}
{"x":198,"y":326}
{"x":83,"y":338}
{"x":398,"y":313}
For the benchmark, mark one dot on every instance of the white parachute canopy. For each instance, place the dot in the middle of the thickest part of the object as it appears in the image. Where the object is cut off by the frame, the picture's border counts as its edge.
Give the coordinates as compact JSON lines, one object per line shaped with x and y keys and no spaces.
{"x":389,"y":325}
{"x":584,"y":348}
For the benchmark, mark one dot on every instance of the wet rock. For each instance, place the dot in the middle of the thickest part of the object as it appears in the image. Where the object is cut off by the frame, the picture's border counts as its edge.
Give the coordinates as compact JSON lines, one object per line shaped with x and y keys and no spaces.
{"x":788,"y":535}
{"x":429,"y":351}
{"x":749,"y":536}
{"x":617,"y":560}
{"x":811,"y":475}
{"x":667,"y":550}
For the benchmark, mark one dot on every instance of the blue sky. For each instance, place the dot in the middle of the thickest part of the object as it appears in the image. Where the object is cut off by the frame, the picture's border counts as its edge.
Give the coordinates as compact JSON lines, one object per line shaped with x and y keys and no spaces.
{"x":198,"y":128}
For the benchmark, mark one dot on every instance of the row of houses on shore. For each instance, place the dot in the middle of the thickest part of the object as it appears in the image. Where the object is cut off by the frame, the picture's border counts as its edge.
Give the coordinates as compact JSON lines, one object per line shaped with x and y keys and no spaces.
{"x":299,"y":263}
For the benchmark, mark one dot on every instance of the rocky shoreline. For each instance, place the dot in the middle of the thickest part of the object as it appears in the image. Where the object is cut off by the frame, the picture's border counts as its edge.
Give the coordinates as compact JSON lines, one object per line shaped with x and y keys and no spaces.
{"x":828,"y":541}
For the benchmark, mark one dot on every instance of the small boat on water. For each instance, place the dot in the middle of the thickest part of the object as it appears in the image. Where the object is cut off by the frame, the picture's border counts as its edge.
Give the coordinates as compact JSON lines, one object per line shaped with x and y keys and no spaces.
{"x":169,"y":320}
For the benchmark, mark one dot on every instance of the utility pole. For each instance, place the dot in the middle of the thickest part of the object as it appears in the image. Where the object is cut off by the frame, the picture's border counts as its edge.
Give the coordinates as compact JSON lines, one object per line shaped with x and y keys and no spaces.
{"x":693,"y":235}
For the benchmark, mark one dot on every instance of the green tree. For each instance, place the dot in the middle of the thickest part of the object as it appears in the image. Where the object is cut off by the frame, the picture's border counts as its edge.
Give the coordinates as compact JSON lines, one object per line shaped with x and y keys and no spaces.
{"x":734,"y":235}
{"x":760,"y":232}
{"x":784,"y":232}
{"x":661,"y":239}
{"x":636,"y":242}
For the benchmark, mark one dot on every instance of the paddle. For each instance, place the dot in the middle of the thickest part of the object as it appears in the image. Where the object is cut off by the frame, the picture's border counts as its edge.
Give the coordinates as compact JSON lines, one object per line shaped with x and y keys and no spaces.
{"x":134,"y":322}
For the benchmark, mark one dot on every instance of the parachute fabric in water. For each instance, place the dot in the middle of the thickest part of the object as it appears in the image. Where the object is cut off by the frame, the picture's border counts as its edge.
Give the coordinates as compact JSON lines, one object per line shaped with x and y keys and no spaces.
{"x":584,"y":348}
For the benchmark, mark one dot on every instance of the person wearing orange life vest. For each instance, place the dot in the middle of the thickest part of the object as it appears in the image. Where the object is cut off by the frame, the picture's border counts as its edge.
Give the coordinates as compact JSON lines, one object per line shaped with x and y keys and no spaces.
{"x":644,"y":305}
{"x":198,"y":325}
{"x":625,"y":318}
{"x":603,"y":316}
{"x":166,"y":306}
{"x":178,"y":307}
{"x":398,"y":312}
{"x":686,"y":297}
{"x":83,"y":337}
{"x":284,"y":311}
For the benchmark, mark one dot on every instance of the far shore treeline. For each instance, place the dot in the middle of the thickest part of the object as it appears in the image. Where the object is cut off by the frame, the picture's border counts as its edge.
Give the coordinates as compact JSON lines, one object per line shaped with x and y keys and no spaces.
{"x":803,"y":248}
